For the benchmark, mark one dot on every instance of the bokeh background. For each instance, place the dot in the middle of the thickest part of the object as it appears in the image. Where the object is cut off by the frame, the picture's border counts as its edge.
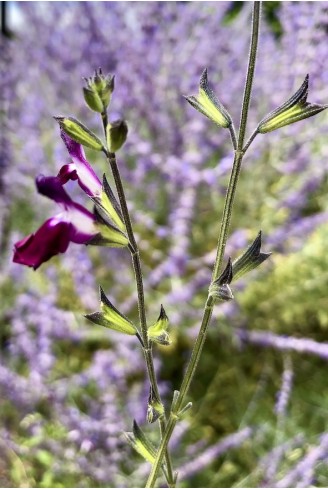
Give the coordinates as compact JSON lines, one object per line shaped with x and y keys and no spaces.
{"x":69,"y":388}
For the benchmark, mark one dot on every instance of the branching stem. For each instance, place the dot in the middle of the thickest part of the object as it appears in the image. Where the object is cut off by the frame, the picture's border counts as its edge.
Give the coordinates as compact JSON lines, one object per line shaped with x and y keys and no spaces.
{"x":224,"y":229}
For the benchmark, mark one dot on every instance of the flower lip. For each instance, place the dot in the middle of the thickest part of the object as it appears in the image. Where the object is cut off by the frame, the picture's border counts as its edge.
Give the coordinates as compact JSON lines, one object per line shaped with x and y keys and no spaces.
{"x":79,"y":169}
{"x":52,"y":187}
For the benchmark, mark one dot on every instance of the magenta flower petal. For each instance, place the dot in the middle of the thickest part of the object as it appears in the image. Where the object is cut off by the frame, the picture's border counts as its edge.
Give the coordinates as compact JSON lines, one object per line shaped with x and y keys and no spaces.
{"x":83,"y":223}
{"x":51,"y":239}
{"x":84,"y":173}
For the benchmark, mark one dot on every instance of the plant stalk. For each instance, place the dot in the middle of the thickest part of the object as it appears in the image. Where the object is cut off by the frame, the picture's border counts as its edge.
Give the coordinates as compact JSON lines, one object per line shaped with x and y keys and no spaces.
{"x":225,"y":223}
{"x":135,"y":255}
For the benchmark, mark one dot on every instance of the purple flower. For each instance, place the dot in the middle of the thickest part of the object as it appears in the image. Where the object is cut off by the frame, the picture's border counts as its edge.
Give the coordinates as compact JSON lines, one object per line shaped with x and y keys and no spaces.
{"x":79,"y":169}
{"x":74,"y":224}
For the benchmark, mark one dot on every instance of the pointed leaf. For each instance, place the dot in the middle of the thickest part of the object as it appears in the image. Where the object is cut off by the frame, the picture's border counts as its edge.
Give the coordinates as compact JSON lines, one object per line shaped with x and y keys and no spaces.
{"x":207,"y":103}
{"x":110,"y":317}
{"x":141,"y":444}
{"x":295,"y":109}
{"x":250,"y":259}
{"x":158,"y":331}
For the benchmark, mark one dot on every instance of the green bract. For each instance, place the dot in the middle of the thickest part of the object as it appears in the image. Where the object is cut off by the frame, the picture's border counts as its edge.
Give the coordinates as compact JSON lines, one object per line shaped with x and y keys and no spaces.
{"x":80,"y":133}
{"x":110,"y":317}
{"x":295,"y":109}
{"x":207,"y":103}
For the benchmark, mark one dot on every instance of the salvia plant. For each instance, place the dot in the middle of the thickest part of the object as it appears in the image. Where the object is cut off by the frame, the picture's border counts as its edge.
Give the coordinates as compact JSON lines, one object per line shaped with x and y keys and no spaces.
{"x":109,"y":224}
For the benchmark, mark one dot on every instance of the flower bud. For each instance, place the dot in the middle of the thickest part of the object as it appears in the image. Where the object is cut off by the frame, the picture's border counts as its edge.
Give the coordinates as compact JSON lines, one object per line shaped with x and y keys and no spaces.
{"x":295,"y":109}
{"x":158,"y":332}
{"x":80,"y":133}
{"x":116,"y":132}
{"x":141,"y":444}
{"x":207,"y":103}
{"x":97,"y":93}
{"x":110,"y":317}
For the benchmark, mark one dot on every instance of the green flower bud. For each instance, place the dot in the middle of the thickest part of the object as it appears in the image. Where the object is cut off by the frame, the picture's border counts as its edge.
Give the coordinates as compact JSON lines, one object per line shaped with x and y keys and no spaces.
{"x":98,"y":92}
{"x":116,"y":135}
{"x":295,"y":109}
{"x":207,"y":103}
{"x":158,"y":332}
{"x":80,"y":133}
{"x":140,"y":443}
{"x":110,"y":317}
{"x":250,"y":259}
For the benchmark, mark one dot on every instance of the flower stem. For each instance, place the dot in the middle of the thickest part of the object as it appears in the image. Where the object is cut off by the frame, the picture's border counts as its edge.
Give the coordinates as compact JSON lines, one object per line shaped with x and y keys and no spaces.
{"x":225,"y":223}
{"x":135,"y":255}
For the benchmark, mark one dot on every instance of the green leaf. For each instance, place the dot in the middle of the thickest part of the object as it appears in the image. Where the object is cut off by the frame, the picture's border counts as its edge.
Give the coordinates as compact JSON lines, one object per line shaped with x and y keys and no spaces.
{"x":158,"y":331}
{"x":207,"y":103}
{"x":108,"y":206}
{"x":141,"y":444}
{"x":110,"y":317}
{"x":116,"y":133}
{"x":250,"y":259}
{"x":295,"y":109}
{"x":80,"y":133}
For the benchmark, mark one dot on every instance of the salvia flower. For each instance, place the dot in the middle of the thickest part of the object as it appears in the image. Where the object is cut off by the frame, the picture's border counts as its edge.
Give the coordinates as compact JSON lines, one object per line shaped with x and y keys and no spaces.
{"x":295,"y":109}
{"x":73,"y":224}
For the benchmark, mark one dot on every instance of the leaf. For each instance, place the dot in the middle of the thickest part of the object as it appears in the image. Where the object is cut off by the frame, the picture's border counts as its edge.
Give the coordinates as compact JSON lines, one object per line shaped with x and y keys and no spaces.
{"x":295,"y":109}
{"x":110,"y":317}
{"x":207,"y":103}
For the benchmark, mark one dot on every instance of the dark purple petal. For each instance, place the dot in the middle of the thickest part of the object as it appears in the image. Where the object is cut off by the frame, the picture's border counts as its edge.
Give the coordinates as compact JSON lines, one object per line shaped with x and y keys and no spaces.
{"x":67,"y":172}
{"x":52,"y":187}
{"x":51,"y":239}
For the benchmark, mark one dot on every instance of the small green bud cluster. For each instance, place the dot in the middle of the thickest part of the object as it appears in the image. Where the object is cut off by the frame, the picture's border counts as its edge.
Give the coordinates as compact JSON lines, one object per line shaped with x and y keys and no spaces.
{"x":98,"y":92}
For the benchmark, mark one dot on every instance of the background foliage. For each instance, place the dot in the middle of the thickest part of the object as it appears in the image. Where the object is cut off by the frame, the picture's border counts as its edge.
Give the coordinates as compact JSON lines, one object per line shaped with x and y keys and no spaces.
{"x":68,"y":389}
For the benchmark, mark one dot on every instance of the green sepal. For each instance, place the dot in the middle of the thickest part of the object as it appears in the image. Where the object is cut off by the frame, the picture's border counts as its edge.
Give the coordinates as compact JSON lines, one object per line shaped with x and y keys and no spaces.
{"x":80,"y":133}
{"x":207,"y":103}
{"x":116,"y":134}
{"x":295,"y":109}
{"x":155,"y":408}
{"x":141,"y":443}
{"x":158,"y":331}
{"x":110,"y":317}
{"x":109,"y":235}
{"x":250,"y":259}
{"x":220,"y":289}
{"x":99,"y":90}
{"x":108,"y":206}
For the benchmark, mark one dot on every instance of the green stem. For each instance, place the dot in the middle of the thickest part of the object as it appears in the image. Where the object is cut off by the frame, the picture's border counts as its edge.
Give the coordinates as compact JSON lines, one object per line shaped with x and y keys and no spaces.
{"x":225,"y":223}
{"x":147,"y":348}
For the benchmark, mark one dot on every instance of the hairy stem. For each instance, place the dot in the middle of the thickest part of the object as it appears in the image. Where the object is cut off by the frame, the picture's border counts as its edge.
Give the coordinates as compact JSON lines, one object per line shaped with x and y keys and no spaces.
{"x":135,"y":255}
{"x":225,"y":223}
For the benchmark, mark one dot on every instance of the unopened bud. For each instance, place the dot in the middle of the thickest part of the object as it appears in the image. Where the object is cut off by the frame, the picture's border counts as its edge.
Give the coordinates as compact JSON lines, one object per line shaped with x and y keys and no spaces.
{"x":116,"y":132}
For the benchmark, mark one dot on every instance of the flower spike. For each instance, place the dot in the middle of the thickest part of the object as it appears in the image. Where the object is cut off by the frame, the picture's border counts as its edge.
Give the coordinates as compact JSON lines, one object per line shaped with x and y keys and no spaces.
{"x":295,"y":109}
{"x":207,"y":103}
